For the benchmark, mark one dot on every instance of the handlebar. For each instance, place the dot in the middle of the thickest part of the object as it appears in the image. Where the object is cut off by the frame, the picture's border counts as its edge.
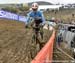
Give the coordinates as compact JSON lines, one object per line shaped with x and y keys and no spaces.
{"x":35,"y":18}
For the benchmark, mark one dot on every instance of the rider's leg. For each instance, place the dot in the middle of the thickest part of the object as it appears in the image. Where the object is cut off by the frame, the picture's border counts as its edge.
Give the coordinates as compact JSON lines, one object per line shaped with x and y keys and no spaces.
{"x":41,"y":32}
{"x":33,"y":35}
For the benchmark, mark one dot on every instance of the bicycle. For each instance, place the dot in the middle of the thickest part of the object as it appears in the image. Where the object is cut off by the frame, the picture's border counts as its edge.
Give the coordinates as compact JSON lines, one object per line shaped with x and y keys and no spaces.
{"x":37,"y":37}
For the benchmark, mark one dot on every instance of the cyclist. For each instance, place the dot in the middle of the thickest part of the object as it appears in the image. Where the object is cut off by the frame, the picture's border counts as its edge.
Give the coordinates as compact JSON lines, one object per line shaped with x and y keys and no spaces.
{"x":34,"y":13}
{"x":37,"y":16}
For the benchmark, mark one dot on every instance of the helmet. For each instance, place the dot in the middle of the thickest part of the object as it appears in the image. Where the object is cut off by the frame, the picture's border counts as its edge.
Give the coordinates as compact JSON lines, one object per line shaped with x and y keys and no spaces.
{"x":34,"y":6}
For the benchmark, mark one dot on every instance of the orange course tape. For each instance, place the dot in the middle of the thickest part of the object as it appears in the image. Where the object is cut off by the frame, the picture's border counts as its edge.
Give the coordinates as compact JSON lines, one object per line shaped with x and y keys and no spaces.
{"x":46,"y":53}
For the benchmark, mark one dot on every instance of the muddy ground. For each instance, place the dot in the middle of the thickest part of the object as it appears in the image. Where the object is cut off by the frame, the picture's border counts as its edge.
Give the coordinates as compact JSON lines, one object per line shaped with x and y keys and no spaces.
{"x":15,"y":42}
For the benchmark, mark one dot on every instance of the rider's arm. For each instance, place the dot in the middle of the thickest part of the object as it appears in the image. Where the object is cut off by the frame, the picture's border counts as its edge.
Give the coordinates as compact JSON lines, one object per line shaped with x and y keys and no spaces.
{"x":28,"y":18}
{"x":43,"y":18}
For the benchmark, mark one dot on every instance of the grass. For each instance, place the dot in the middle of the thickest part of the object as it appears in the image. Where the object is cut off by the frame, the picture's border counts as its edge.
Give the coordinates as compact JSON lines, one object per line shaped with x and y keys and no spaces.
{"x":64,"y":15}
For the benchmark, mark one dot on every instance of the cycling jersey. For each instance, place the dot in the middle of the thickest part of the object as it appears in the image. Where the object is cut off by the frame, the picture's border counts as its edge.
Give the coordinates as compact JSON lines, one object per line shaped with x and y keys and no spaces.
{"x":35,"y":14}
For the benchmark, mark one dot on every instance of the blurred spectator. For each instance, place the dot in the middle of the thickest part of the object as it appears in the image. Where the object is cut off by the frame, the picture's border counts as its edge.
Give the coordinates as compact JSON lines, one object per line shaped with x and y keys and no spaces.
{"x":73,"y":22}
{"x":53,"y":18}
{"x":74,"y":53}
{"x":59,"y":39}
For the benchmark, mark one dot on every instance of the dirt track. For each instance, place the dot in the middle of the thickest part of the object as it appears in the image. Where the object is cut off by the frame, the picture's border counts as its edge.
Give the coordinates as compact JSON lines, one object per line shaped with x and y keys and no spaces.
{"x":15,"y":42}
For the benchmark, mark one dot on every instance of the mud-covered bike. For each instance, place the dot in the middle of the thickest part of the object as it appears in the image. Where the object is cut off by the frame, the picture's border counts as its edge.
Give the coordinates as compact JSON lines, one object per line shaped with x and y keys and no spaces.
{"x":37,"y":36}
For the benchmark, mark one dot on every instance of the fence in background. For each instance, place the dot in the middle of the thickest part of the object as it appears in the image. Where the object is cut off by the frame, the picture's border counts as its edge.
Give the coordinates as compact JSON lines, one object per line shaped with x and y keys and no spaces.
{"x":9,"y":15}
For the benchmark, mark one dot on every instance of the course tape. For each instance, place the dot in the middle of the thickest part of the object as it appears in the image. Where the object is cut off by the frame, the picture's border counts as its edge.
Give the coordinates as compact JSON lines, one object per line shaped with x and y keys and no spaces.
{"x":46,"y":53}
